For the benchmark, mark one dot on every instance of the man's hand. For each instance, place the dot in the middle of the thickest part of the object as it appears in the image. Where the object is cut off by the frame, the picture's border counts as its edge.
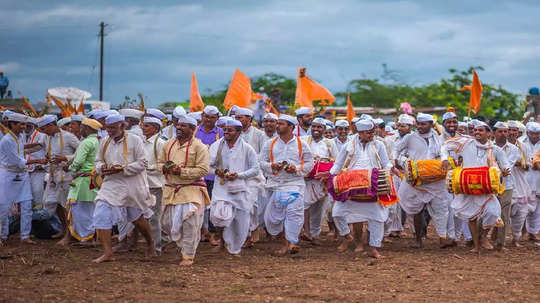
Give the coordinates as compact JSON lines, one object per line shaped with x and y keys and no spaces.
{"x":276,"y":166}
{"x":58,"y":158}
{"x":176,"y":170}
{"x":505,"y":172}
{"x":37,"y":161}
{"x":111,"y":171}
{"x":231,"y":177}
{"x":445,"y":166}
{"x":395,"y":171}
{"x":291,"y":169}
{"x":536,"y":166}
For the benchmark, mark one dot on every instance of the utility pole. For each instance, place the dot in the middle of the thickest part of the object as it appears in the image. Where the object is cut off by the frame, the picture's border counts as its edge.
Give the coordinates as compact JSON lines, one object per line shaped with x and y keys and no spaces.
{"x":101,"y":36}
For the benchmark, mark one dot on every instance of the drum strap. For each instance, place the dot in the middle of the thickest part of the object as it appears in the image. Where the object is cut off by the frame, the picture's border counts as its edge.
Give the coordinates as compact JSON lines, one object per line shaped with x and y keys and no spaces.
{"x":106,"y":146}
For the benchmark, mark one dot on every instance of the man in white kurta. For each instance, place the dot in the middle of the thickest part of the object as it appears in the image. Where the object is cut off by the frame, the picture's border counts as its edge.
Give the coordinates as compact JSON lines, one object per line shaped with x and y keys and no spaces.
{"x":133,"y":120}
{"x":361,"y":152}
{"x":14,"y":180}
{"x":316,"y":195}
{"x":522,"y":190}
{"x":532,"y":144}
{"x":124,"y":195}
{"x":269,"y":124}
{"x":233,"y":161}
{"x":60,"y":149}
{"x":304,"y":116}
{"x":425,"y":144}
{"x":37,"y":172}
{"x":255,"y":138}
{"x":285,"y":161}
{"x":500,"y":131}
{"x":169,"y":131}
{"x":484,"y":209}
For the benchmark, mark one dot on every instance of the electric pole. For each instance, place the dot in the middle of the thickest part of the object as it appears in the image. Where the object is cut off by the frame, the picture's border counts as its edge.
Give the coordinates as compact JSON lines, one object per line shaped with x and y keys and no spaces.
{"x":101,"y":36}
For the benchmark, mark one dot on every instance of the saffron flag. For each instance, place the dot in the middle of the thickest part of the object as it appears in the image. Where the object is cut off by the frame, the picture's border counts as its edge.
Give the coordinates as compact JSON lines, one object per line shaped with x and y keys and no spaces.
{"x":308,"y":90}
{"x":80,"y":109}
{"x":195,"y":101}
{"x":475,"y":99}
{"x":239,"y":92}
{"x":350,"y":108}
{"x":28,"y":105}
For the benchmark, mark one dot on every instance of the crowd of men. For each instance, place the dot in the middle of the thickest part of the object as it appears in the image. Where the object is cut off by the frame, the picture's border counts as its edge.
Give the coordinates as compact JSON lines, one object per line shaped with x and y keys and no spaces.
{"x":192,"y":177}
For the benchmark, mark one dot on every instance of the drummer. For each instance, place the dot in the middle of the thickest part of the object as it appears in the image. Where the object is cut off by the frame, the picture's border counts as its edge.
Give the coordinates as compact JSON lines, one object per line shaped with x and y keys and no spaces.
{"x":361,"y":152}
{"x":316,"y":196}
{"x":425,"y":144}
{"x":478,"y":152}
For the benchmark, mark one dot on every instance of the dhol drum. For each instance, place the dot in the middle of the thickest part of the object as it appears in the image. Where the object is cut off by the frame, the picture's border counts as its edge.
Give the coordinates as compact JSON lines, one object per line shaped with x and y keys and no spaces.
{"x":474,"y":181}
{"x":321,"y":166}
{"x":418,"y":172}
{"x":363,"y":185}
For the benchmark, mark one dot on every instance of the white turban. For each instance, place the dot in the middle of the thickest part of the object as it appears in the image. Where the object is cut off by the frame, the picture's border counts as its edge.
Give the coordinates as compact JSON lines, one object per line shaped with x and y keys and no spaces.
{"x":63,"y":122}
{"x":270,"y":116}
{"x":223,"y":120}
{"x":47,"y":119}
{"x":329,"y":124}
{"x":100,"y":114}
{"x":364,"y":125}
{"x":148,"y":119}
{"x":421,"y":117}
{"x":196,"y":115}
{"x":500,"y":124}
{"x":354,"y":120}
{"x":342,"y":123}
{"x":242,"y":111}
{"x":114,"y":119}
{"x":178,"y":111}
{"x":154,"y":112}
{"x":462,"y":124}
{"x":533,"y":127}
{"x":187,"y":119}
{"x":16,"y":117}
{"x":481,"y":124}
{"x":6,"y":114}
{"x":449,"y":115}
{"x":77,"y":118}
{"x":406,"y":119}
{"x":288,"y":118}
{"x":378,"y":121}
{"x":211,"y":110}
{"x":319,"y":121}
{"x":232,"y":122}
{"x":303,"y":111}
{"x":366,"y":117}
{"x":131,"y":113}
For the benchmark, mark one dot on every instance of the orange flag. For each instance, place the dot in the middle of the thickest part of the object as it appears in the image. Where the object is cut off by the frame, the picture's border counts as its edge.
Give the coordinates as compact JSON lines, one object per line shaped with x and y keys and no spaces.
{"x":350,"y":108}
{"x":80,"y":109}
{"x":239,"y":92}
{"x":475,"y":99}
{"x":195,"y":101}
{"x":28,"y":105}
{"x":308,"y":90}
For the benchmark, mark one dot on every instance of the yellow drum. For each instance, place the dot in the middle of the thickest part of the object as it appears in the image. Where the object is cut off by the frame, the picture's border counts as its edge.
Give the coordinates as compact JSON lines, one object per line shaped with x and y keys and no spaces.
{"x":418,"y":172}
{"x":474,"y":181}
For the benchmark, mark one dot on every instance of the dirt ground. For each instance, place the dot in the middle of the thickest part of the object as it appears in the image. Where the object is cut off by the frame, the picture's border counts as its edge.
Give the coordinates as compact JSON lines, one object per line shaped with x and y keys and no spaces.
{"x":47,"y":273}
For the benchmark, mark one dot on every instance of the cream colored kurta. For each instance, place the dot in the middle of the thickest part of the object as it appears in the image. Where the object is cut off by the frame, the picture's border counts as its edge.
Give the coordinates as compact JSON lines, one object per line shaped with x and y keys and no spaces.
{"x":177,"y":189}
{"x":130,"y":187}
{"x":152,"y":149}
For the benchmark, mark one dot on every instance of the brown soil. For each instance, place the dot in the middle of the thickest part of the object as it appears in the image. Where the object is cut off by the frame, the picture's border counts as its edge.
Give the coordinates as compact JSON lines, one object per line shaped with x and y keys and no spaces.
{"x":45,"y":272}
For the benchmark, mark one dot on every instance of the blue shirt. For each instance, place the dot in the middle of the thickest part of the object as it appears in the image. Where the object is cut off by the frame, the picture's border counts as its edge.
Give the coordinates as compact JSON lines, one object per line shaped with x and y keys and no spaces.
{"x":4,"y":81}
{"x":208,"y":138}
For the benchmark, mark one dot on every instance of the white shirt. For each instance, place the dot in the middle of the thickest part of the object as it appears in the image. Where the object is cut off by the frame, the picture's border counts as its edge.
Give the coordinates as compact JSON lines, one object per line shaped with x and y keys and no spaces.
{"x":254,"y":137}
{"x":240,"y":159}
{"x":512,"y":154}
{"x":325,"y":148}
{"x":300,"y":132}
{"x":40,"y":153}
{"x":533,"y":176}
{"x":286,"y":151}
{"x":68,"y":147}
{"x":152,"y":147}
{"x":340,"y":144}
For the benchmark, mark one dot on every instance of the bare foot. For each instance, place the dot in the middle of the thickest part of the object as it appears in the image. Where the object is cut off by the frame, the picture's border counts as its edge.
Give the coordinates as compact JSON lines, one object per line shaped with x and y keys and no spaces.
{"x":387,"y":240}
{"x":151,"y":252}
{"x":213,"y":240}
{"x":515,"y":243}
{"x":306,"y":237}
{"x":186,"y":262}
{"x":58,"y":235}
{"x":533,"y":238}
{"x":359,"y":248}
{"x":344,"y":246}
{"x":316,"y":242}
{"x":501,"y":248}
{"x":64,"y":242}
{"x":445,"y":243}
{"x":484,"y":242}
{"x":219,"y":247}
{"x":282,"y":251}
{"x":475,"y":250}
{"x":28,"y":241}
{"x":104,"y":258}
{"x":374,"y":253}
{"x":293,"y":248}
{"x":248,"y":243}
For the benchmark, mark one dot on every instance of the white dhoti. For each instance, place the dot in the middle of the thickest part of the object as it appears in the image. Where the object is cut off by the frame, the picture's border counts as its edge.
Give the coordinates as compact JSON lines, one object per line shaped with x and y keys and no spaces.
{"x":80,"y":215}
{"x":532,"y":221}
{"x":518,"y":213}
{"x":485,"y":207}
{"x":182,"y":224}
{"x":373,"y":213}
{"x":434,"y":197}
{"x":316,"y":202}
{"x":285,"y":211}
{"x":37,"y":182}
{"x":235,"y":222}
{"x":107,"y":215}
{"x":55,"y":194}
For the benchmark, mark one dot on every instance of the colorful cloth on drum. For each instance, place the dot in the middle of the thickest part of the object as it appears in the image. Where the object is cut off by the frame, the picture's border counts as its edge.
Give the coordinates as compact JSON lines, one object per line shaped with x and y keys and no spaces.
{"x":320,"y":167}
{"x":363,"y":185}
{"x":419,"y":172}
{"x":475,"y":181}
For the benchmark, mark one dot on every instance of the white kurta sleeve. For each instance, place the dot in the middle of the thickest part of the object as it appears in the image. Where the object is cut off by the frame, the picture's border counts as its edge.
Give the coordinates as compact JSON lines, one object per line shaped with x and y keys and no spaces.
{"x":9,"y":148}
{"x":99,"y":159}
{"x":214,"y":165}
{"x":307,"y":156}
{"x":139,"y":164}
{"x":252,"y":168}
{"x":264,"y":158}
{"x":385,"y":162}
{"x":340,"y":160}
{"x":500,"y":157}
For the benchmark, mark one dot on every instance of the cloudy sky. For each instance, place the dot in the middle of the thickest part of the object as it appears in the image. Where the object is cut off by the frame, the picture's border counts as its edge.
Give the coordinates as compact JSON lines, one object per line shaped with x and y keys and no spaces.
{"x":153,"y":46}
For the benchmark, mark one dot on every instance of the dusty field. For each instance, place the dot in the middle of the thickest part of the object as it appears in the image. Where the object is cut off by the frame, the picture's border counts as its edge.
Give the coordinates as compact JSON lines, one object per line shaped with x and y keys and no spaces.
{"x":48,"y":273}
